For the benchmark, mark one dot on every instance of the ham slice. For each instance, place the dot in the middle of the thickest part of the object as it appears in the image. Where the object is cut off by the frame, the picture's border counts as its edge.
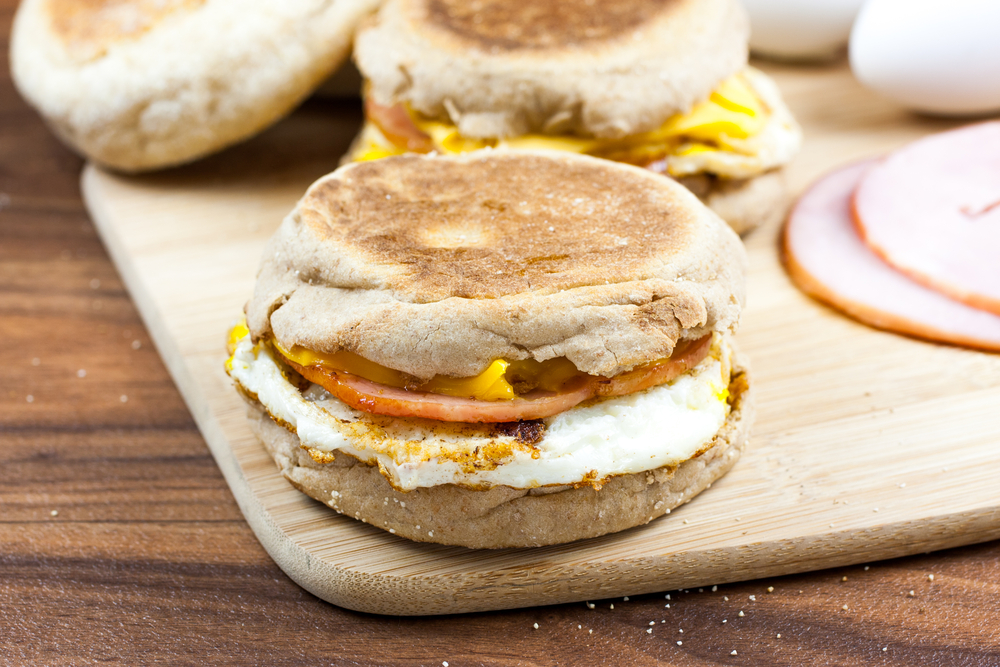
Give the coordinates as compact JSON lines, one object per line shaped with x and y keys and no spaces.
{"x":932,"y":210}
{"x":397,"y":126}
{"x":827,"y":259}
{"x":686,"y":356}
{"x":380,"y":399}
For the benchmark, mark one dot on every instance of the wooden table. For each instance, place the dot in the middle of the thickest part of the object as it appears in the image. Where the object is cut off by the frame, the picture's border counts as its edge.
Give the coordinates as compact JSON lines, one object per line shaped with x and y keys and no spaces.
{"x":120,"y":542}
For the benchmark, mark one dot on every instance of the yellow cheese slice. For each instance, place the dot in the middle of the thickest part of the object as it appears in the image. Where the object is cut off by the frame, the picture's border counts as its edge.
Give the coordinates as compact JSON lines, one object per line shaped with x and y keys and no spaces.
{"x":446,"y":137}
{"x":736,"y":95}
{"x":732,"y":111}
{"x":556,"y":143}
{"x":496,"y":383}
{"x":493,"y":384}
{"x":490,"y":385}
{"x":374,"y":153}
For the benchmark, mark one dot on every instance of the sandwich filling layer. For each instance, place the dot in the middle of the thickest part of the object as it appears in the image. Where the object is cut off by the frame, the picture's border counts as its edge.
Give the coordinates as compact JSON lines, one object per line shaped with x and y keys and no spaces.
{"x":742,"y":130}
{"x":644,"y":430}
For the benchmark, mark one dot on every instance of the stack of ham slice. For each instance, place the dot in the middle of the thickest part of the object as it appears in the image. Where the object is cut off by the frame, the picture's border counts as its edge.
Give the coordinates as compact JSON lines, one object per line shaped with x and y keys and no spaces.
{"x":911,"y":242}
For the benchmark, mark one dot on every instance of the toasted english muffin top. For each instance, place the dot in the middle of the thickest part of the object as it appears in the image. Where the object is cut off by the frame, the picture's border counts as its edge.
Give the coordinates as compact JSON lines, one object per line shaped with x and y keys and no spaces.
{"x":605,"y":68}
{"x":439,"y":265}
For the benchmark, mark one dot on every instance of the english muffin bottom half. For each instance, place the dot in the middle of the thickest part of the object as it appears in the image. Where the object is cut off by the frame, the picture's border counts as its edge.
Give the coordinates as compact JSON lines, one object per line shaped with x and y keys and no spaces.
{"x":497,"y":349}
{"x":662,"y":84}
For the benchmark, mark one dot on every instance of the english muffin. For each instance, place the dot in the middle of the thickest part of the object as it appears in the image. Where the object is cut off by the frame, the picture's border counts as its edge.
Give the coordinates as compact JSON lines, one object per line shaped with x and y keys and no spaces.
{"x":144,"y":84}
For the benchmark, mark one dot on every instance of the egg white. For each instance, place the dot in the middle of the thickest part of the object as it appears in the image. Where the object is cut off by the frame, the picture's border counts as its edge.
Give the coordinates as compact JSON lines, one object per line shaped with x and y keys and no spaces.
{"x":664,"y":425}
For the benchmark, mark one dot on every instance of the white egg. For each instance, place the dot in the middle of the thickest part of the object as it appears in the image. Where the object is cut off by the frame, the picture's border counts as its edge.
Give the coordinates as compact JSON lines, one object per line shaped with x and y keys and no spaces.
{"x":800,"y":29}
{"x":931,"y":56}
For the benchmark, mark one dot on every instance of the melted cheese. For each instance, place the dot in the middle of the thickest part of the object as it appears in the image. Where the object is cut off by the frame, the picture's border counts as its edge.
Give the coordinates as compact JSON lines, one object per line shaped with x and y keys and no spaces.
{"x":741,"y":130}
{"x":732,"y":110}
{"x":495,"y":383}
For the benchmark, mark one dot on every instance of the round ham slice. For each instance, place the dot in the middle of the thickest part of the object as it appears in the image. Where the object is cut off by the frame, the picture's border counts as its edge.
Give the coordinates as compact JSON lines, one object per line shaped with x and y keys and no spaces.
{"x":828,"y":260}
{"x":397,"y":126}
{"x":932,"y":210}
{"x":686,"y":356}
{"x":380,"y":399}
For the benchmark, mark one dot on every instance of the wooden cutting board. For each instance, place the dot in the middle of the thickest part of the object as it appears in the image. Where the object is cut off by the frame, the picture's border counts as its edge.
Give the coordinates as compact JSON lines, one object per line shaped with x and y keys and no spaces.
{"x":867,"y":445}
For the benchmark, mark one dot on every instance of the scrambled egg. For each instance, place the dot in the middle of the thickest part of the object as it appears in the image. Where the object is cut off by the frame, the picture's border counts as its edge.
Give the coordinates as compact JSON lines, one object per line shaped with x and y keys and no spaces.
{"x":741,"y":131}
{"x":664,"y":425}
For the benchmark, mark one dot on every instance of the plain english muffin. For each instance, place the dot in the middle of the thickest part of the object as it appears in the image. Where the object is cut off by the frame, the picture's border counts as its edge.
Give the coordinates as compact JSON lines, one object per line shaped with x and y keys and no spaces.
{"x":661,"y":84}
{"x":497,"y":349}
{"x":144,"y":84}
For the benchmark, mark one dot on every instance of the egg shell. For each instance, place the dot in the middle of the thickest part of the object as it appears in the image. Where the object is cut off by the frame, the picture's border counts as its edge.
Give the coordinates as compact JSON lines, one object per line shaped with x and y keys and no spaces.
{"x":934,"y":57}
{"x":800,"y":29}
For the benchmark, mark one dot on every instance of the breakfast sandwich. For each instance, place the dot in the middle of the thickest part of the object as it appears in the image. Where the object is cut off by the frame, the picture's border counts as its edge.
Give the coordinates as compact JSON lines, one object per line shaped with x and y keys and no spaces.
{"x":661,"y":84}
{"x":144,"y":84}
{"x":497,"y":349}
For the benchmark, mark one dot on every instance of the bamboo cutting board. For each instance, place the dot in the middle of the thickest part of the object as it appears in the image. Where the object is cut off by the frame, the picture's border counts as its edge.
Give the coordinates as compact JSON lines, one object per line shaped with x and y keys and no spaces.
{"x":867,"y":445}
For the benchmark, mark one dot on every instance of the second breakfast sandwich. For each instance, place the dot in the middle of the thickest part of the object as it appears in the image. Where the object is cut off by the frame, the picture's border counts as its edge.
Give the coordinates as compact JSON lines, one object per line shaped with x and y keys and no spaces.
{"x":498,"y":349}
{"x":662,"y":84}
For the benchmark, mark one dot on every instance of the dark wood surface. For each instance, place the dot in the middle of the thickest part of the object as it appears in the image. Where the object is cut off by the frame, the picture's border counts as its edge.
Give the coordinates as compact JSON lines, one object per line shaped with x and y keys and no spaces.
{"x":120,"y":542}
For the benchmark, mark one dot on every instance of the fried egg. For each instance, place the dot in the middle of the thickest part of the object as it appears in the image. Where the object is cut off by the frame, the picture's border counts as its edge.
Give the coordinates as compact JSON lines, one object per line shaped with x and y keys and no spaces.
{"x":661,"y":426}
